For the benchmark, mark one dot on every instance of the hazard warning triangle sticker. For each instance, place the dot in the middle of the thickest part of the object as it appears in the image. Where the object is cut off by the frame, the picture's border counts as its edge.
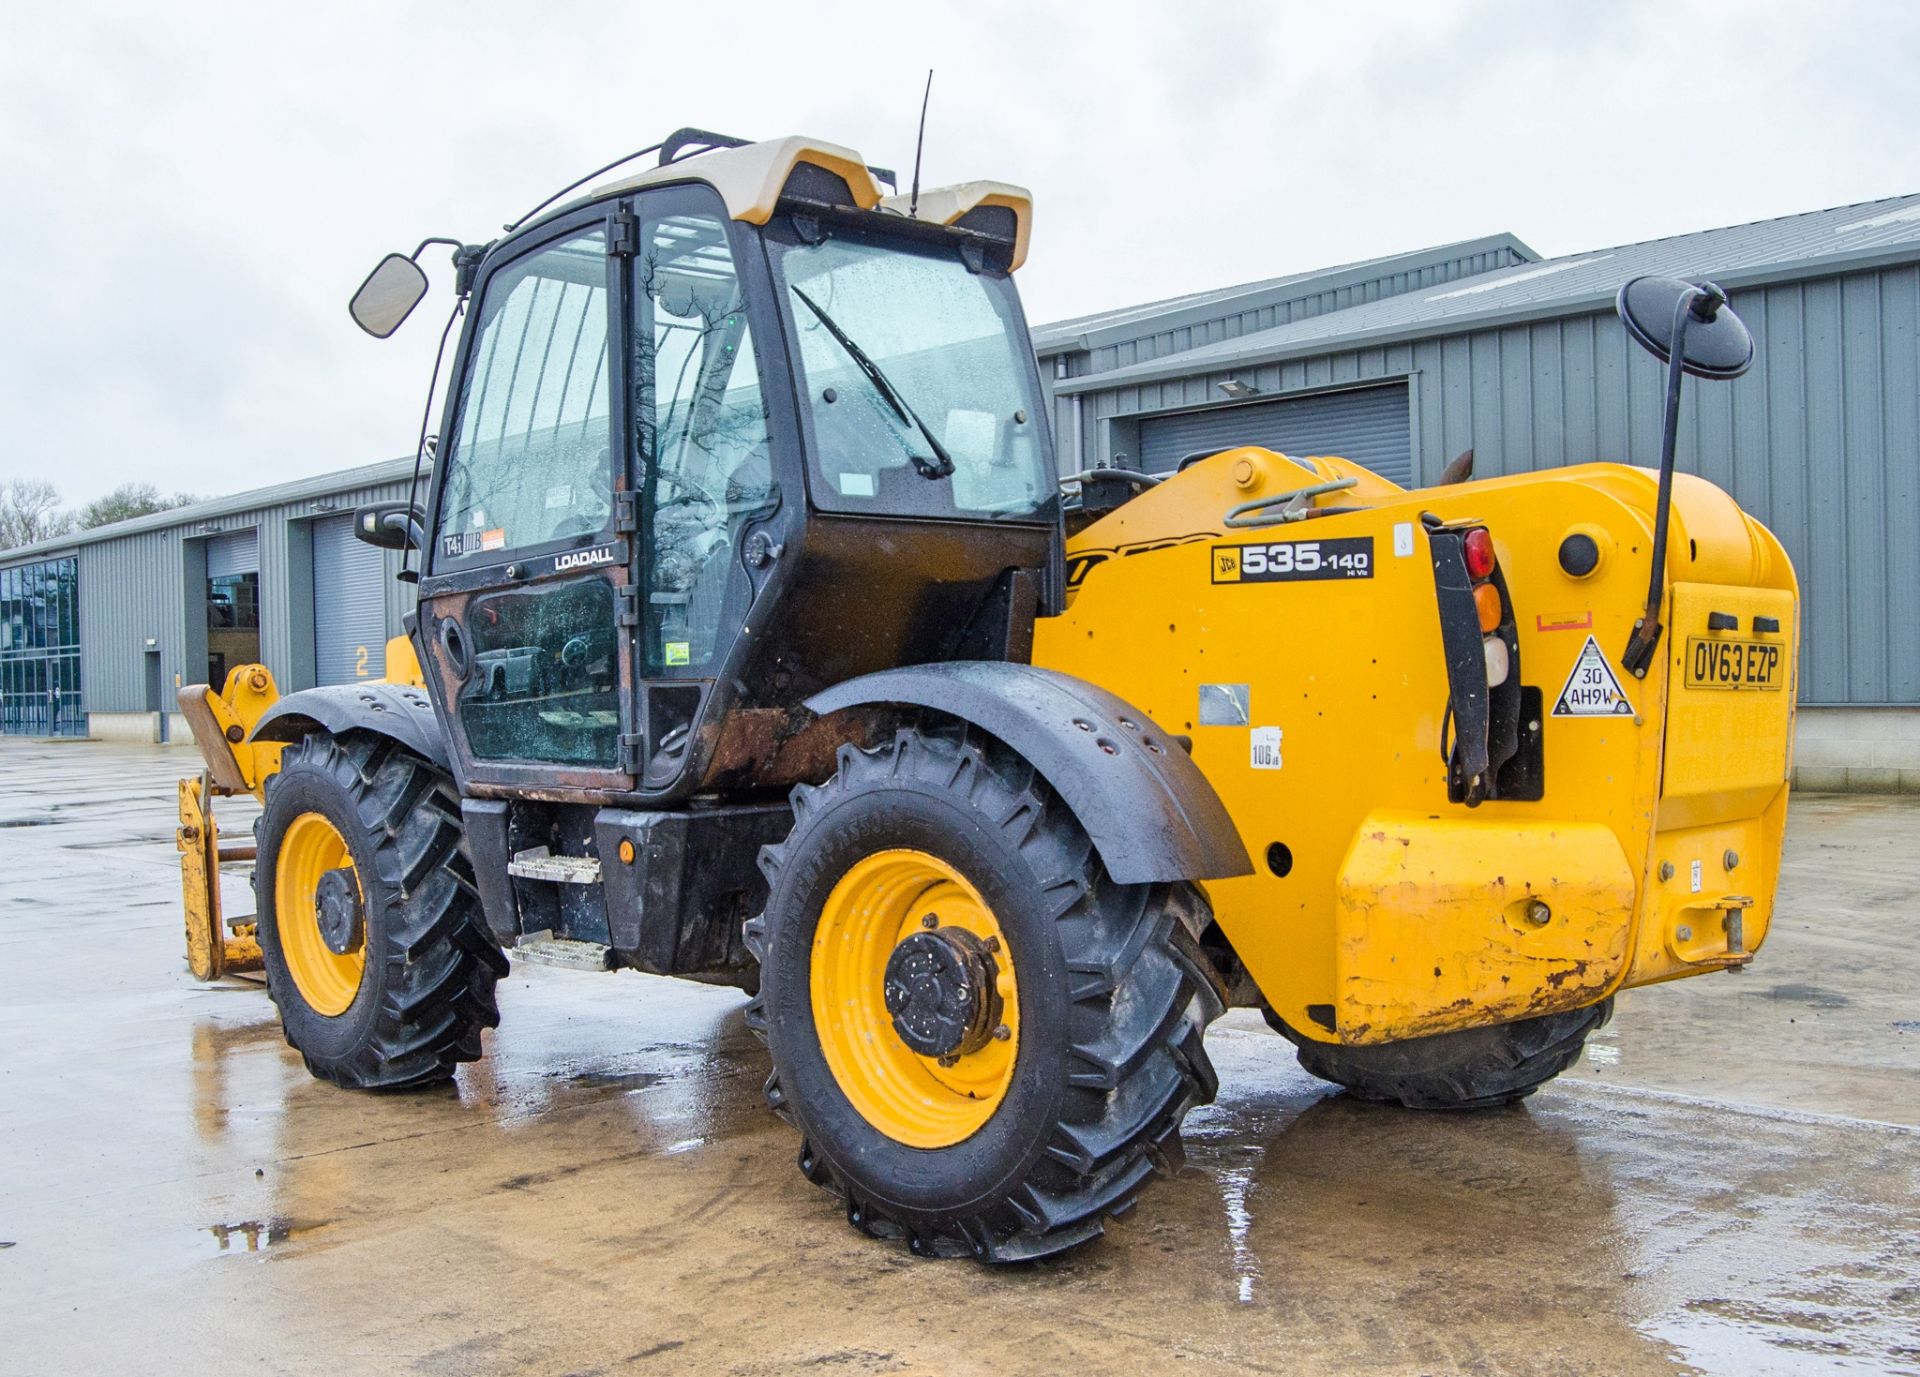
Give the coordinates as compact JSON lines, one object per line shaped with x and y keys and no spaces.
{"x":1592,"y":690}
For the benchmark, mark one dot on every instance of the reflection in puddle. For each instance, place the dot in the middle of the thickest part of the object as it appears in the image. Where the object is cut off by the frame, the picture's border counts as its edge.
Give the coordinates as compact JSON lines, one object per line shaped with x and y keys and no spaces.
{"x":611,"y":1080}
{"x":1720,"y":1343}
{"x":1234,"y":1183}
{"x":256,"y":1236}
{"x":1229,"y":1144}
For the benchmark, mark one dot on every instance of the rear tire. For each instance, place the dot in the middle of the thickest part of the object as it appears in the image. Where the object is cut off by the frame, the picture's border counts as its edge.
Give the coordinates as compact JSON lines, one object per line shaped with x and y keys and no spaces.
{"x":1113,"y":997}
{"x":1474,"y":1068}
{"x":405,"y":1004}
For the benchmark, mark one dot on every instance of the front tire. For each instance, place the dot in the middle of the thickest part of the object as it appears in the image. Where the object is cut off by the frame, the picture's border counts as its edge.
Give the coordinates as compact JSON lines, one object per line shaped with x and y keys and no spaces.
{"x":1087,"y":1003}
{"x":369,"y":919}
{"x":1474,"y":1068}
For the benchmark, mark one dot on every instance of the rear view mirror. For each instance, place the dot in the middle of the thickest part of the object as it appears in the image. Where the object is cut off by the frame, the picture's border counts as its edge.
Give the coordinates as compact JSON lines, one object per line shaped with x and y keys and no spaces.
{"x":1713,"y":341}
{"x":389,"y":525}
{"x":388,"y":296}
{"x":1690,"y":328}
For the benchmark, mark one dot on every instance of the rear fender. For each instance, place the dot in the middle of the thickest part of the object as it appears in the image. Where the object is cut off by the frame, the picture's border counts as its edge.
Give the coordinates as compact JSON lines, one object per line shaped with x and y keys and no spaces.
{"x":399,"y":711}
{"x":1149,"y":811}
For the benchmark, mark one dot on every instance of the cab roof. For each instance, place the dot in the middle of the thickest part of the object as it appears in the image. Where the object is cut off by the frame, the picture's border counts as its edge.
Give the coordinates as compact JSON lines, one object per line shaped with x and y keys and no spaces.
{"x":753,"y":177}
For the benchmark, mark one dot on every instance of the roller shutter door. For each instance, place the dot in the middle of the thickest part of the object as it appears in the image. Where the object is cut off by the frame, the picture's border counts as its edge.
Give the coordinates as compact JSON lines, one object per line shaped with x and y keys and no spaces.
{"x":349,"y":606}
{"x":1369,"y":425}
{"x":236,"y":553}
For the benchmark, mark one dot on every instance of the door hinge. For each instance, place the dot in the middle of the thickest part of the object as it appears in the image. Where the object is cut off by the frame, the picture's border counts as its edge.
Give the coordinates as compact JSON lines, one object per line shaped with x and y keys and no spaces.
{"x":631,"y":744}
{"x":629,"y":604}
{"x":623,"y":234}
{"x":626,"y":513}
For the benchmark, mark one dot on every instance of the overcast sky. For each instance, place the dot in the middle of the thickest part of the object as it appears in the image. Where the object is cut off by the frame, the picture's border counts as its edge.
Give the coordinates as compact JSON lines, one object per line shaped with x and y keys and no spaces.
{"x":193,"y":191}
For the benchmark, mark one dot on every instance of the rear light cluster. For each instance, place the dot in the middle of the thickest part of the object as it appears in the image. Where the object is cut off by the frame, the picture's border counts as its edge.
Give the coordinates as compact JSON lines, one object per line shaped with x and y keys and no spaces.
{"x":1487,"y":602}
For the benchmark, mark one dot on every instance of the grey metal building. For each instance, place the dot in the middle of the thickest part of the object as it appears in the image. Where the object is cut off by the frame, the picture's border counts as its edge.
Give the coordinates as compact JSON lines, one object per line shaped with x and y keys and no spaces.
{"x":1404,"y":362}
{"x":98,"y":629}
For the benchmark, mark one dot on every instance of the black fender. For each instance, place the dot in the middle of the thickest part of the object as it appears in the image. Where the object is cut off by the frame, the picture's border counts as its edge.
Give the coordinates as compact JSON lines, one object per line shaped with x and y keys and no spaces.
{"x":1147,"y":807}
{"x":399,"y":711}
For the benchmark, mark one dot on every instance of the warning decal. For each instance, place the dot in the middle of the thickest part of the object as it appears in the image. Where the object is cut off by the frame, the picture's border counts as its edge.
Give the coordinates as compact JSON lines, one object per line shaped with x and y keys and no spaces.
{"x":1592,"y":690}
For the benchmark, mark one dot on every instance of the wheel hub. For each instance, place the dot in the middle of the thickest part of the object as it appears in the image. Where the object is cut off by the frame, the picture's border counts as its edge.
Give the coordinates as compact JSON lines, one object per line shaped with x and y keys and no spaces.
{"x":336,"y":908}
{"x":940,"y":989}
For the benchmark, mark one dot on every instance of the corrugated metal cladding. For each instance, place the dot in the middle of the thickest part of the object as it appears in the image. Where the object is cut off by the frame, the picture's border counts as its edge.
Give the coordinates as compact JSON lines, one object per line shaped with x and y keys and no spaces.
{"x":1138,"y":335}
{"x":229,"y":555}
{"x":131,"y":589}
{"x":135,"y":587}
{"x":1303,"y":306}
{"x":1369,"y":425}
{"x":349,"y":604}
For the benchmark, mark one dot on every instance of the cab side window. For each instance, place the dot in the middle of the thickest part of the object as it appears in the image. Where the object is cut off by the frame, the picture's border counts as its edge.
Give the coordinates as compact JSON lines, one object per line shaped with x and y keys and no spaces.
{"x":530,"y":463}
{"x":701,"y":429}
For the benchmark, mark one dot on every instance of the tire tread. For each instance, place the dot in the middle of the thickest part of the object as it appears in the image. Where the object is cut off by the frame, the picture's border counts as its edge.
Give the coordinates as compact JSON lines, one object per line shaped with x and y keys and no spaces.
{"x":441,"y":966}
{"x":1140,"y":993}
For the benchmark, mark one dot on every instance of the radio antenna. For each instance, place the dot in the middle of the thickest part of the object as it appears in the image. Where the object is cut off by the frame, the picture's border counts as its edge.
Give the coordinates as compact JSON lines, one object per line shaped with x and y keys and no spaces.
{"x":919,"y":142}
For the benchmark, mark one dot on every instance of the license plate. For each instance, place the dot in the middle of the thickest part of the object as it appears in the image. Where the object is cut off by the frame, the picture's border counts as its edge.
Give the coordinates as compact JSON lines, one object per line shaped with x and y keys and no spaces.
{"x":1718,"y":663}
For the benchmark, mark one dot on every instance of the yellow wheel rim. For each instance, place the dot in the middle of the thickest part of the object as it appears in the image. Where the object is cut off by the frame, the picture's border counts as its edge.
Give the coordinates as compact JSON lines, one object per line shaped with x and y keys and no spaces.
{"x":328,"y":981}
{"x":911,"y":1098}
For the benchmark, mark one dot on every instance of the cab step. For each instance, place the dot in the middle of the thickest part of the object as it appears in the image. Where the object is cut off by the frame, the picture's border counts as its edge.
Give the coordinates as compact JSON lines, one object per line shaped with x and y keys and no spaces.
{"x":544,"y":949}
{"x":539,"y":863}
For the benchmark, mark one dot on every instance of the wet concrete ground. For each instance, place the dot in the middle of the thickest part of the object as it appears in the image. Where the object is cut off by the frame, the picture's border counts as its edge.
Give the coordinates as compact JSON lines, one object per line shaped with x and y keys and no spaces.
{"x":1730,"y":1183}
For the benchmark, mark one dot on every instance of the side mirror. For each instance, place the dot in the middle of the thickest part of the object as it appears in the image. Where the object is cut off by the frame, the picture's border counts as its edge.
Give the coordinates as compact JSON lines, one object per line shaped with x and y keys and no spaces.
{"x":388,"y":296}
{"x":1714,"y":342}
{"x":1690,"y":328}
{"x":390,"y":525}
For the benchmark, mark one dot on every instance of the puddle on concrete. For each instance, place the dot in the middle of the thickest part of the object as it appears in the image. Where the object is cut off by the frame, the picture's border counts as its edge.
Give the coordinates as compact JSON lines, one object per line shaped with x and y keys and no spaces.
{"x":613,"y":1080}
{"x":1718,"y":1338}
{"x":1234,"y":1184}
{"x":1813,"y":996}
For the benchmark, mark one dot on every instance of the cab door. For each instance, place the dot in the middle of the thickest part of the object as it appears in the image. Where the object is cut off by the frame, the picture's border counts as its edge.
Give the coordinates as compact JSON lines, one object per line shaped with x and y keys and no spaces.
{"x":526,"y":568}
{"x":706,"y":469}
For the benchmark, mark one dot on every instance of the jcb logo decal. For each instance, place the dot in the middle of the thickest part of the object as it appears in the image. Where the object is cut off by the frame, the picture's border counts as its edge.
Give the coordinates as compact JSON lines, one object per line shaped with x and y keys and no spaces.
{"x":1290,"y":561}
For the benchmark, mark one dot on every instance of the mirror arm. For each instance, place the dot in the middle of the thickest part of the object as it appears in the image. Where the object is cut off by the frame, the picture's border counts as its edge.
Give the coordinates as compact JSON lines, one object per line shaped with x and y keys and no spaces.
{"x":408,"y":523}
{"x":1638,"y":655}
{"x":430,"y":241}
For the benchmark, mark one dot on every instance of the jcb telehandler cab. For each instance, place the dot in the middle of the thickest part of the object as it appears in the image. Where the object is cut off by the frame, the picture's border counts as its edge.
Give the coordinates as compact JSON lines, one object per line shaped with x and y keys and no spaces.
{"x":752,"y":649}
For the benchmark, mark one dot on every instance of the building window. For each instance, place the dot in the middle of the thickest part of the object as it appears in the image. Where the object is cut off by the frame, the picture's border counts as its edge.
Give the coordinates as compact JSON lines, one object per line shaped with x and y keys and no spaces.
{"x":40,"y":649}
{"x":233,"y":623}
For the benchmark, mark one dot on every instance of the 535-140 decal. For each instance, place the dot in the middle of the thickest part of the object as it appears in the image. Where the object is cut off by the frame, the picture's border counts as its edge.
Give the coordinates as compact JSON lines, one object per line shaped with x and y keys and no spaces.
{"x":1286,"y":561}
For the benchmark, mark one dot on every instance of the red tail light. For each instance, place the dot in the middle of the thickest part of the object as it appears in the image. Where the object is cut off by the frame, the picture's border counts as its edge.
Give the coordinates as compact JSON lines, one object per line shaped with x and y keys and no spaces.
{"x":1478,"y":548}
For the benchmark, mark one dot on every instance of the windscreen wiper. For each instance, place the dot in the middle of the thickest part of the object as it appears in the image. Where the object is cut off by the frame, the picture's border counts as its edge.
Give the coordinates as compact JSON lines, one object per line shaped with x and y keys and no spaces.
{"x":941,"y":465}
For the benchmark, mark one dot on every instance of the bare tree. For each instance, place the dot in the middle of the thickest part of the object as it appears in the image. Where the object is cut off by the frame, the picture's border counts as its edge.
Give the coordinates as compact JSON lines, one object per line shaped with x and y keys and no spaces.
{"x":128,"y":501}
{"x":30,"y":511}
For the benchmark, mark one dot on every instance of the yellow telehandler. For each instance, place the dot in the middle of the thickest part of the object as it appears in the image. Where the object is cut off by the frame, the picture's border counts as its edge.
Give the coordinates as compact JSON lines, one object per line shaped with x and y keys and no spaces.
{"x":757,"y":643}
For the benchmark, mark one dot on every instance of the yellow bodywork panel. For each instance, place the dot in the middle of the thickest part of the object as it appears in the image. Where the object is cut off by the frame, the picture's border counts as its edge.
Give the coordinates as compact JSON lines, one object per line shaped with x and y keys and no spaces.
{"x":1729,"y":742}
{"x":1313,"y":685}
{"x":1503,"y":920}
{"x":403,"y":666}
